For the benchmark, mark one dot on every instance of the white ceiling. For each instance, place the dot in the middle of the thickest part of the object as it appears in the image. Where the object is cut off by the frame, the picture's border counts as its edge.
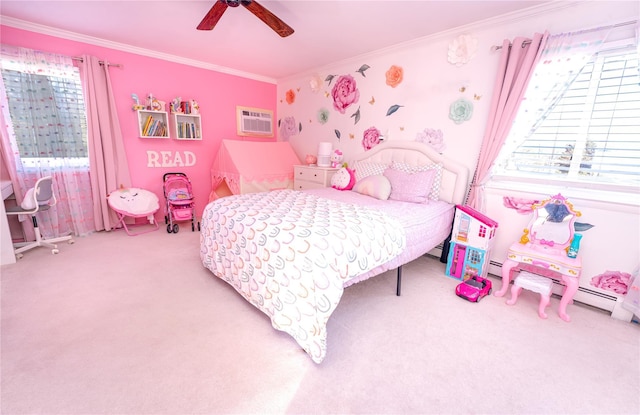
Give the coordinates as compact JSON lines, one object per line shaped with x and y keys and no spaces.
{"x":325,"y":31}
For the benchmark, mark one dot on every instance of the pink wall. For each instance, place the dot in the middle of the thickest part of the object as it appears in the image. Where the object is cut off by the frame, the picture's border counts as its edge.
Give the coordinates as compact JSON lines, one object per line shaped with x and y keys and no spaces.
{"x":216,"y":93}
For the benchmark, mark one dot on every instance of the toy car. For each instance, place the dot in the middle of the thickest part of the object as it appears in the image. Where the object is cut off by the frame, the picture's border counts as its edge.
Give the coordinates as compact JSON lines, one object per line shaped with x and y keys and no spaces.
{"x":474,"y":289}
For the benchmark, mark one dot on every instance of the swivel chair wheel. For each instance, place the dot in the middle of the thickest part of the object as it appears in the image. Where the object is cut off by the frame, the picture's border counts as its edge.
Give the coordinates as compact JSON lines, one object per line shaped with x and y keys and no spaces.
{"x":55,"y":251}
{"x":19,"y":256}
{"x":169,"y":228}
{"x":176,"y":228}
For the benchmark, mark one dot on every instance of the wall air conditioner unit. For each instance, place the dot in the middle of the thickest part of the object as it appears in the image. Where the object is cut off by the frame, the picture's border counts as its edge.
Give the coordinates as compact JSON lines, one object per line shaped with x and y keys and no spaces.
{"x":254,"y":122}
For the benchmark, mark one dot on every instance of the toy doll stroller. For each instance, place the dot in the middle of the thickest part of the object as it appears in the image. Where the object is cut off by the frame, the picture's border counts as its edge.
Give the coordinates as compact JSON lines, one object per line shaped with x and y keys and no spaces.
{"x":180,"y":205}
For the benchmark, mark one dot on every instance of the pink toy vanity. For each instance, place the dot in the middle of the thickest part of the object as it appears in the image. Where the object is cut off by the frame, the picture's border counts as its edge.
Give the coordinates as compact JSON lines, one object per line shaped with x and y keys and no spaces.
{"x":543,"y":251}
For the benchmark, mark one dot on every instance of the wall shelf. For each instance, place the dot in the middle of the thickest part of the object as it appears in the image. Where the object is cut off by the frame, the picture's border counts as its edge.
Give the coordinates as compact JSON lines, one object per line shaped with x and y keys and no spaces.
{"x":153,"y":124}
{"x":186,"y":126}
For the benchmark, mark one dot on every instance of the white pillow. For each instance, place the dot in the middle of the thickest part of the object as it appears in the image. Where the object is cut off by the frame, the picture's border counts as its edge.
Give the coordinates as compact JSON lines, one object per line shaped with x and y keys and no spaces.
{"x":29,"y":201}
{"x":377,"y":186}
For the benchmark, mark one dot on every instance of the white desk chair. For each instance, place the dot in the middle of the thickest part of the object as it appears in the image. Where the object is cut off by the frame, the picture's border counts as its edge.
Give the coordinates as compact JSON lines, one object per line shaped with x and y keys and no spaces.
{"x":38,"y":199}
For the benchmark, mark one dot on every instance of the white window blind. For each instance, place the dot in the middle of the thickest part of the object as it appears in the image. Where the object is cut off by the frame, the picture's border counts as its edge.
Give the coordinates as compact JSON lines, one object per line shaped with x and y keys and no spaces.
{"x":47,"y":114}
{"x":592,"y":133}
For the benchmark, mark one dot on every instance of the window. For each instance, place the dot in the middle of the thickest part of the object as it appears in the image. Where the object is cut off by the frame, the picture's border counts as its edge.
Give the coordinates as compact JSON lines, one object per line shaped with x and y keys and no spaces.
{"x":47,"y":114}
{"x":591,"y":134}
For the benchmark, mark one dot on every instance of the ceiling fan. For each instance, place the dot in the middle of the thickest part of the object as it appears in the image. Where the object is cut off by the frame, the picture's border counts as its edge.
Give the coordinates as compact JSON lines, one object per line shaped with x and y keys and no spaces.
{"x":212,"y":17}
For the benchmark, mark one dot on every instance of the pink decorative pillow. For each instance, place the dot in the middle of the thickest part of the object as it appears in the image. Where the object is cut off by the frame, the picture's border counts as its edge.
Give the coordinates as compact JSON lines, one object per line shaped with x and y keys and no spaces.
{"x":410,"y":187}
{"x":377,"y":186}
{"x":434,"y":193}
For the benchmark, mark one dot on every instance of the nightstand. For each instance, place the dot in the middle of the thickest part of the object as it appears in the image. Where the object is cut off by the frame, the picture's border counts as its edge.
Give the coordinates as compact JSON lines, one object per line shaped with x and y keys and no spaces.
{"x":312,"y":177}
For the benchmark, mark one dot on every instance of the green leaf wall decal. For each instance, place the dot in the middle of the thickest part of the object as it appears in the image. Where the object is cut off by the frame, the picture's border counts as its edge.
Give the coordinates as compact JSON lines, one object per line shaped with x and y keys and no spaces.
{"x":337,"y":134}
{"x":362,"y":69}
{"x":581,"y":227}
{"x":393,"y":109}
{"x":329,"y":78}
{"x":356,"y":115}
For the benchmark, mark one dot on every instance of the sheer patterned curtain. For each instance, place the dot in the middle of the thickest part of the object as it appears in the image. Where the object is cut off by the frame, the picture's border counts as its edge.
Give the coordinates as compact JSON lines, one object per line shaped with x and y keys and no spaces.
{"x":39,"y":138}
{"x":562,"y":59}
{"x":529,"y":83}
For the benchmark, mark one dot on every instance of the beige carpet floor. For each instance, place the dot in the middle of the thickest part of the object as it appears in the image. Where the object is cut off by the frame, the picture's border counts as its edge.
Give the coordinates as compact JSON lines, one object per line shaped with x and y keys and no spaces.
{"x":135,"y":325}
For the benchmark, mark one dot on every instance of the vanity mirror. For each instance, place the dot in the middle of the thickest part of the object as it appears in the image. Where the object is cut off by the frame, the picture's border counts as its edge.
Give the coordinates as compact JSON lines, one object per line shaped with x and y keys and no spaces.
{"x":552,"y":225}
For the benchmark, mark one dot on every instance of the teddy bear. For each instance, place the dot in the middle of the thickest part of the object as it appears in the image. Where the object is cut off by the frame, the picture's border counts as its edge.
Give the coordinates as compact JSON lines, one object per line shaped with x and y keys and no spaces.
{"x":336,"y":158}
{"x":344,"y":179}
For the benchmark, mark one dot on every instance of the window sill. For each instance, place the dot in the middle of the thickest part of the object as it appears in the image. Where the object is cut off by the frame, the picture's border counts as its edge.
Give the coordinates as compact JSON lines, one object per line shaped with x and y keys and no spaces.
{"x":620,"y":198}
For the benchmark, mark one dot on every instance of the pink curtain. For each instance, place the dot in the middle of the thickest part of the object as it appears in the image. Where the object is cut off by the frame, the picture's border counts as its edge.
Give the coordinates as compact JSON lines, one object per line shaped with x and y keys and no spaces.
{"x":107,"y":159}
{"x":9,"y":155}
{"x":517,"y":63}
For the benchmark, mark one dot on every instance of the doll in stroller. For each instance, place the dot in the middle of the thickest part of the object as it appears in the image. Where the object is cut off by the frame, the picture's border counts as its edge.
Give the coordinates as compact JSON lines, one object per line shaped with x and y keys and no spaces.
{"x":180,"y":205}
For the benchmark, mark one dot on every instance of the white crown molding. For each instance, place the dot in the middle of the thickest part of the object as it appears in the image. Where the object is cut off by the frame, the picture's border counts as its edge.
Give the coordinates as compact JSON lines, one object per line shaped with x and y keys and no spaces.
{"x":65,"y":34}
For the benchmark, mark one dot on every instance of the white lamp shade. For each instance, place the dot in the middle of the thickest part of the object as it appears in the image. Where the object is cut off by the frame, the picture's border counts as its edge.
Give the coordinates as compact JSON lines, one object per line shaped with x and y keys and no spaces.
{"x":324,"y":154}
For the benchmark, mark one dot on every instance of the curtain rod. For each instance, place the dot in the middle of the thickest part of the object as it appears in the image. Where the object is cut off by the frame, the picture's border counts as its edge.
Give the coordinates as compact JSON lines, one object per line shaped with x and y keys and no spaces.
{"x":79,"y":59}
{"x":526,"y":42}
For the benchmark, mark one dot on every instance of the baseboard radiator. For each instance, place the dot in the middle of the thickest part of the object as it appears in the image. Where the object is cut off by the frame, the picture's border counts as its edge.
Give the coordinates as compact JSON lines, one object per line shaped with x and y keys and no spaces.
{"x":605,"y":302}
{"x":584,"y":295}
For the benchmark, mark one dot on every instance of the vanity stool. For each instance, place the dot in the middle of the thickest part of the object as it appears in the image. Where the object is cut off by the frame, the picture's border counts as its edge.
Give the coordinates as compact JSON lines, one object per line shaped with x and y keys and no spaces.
{"x":535,"y":283}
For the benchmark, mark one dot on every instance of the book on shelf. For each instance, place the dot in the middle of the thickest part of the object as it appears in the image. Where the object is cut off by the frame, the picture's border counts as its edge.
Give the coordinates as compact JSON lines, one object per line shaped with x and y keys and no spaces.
{"x":147,"y":124}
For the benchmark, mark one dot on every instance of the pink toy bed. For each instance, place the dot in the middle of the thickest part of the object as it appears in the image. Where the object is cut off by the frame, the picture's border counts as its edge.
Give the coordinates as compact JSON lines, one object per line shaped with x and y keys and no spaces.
{"x":291,"y":253}
{"x":251,"y":166}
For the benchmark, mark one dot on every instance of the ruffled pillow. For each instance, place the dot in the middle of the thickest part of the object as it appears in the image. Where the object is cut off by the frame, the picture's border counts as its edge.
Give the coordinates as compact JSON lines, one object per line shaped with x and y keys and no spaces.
{"x":365,"y":169}
{"x":434,"y":193}
{"x":377,"y":186}
{"x":410,"y":187}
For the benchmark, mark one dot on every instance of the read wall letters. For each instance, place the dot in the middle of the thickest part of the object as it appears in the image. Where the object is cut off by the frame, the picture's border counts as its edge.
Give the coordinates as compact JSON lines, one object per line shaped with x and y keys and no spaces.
{"x":170,"y":158}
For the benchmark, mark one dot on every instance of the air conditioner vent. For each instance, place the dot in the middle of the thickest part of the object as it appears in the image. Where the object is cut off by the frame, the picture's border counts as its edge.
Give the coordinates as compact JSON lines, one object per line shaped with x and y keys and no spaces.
{"x":254,"y":122}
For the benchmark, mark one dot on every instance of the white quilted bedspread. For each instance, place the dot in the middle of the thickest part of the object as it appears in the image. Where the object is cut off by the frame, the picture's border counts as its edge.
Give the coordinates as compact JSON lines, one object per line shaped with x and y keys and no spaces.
{"x":289,"y":253}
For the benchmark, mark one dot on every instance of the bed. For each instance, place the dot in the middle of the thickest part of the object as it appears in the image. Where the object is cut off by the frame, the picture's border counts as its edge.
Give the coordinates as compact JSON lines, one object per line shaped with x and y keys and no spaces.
{"x":292,"y":253}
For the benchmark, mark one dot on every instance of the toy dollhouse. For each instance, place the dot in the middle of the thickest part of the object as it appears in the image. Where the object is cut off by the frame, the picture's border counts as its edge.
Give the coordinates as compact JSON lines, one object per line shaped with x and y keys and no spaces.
{"x":471,"y":240}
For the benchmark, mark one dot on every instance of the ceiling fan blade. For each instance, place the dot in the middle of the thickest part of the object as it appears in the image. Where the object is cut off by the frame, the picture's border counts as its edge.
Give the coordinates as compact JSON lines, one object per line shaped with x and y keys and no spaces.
{"x":213,"y":16}
{"x":269,"y":18}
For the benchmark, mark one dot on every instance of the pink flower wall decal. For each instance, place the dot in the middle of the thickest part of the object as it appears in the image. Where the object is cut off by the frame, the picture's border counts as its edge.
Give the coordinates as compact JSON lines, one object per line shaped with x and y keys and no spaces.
{"x":432,"y":137}
{"x":344,"y":93}
{"x":394,"y":76}
{"x":370,"y":138}
{"x":290,"y":96}
{"x":288,"y":128}
{"x":615,"y":281}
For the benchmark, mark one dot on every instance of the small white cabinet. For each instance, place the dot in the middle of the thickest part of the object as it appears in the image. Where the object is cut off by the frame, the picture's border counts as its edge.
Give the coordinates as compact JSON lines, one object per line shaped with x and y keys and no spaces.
{"x":153,"y":124}
{"x":186,"y":126}
{"x":312,"y":177}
